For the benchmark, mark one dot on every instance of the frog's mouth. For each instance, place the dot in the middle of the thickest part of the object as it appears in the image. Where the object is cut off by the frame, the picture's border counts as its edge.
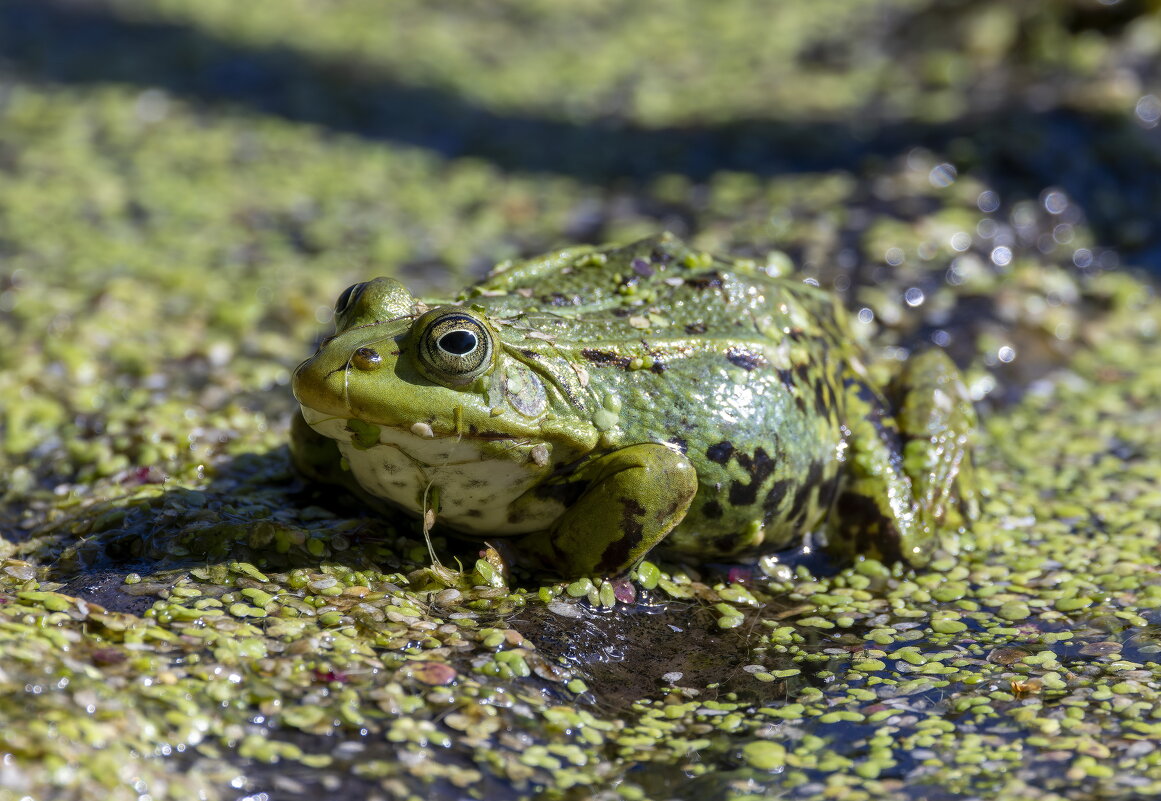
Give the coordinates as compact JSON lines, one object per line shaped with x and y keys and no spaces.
{"x":419,"y":440}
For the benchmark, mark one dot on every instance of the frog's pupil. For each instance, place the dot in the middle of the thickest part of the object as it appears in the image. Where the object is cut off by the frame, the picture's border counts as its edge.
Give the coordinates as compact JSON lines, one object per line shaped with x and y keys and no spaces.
{"x":458,"y":343}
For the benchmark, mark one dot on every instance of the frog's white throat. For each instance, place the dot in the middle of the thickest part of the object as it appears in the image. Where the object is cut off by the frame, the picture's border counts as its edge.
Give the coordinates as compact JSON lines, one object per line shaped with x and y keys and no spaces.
{"x":476,"y":490}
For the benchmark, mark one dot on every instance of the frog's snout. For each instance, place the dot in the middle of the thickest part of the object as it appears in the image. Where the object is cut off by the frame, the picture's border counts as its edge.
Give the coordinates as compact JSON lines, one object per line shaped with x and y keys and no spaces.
{"x":366,"y":359}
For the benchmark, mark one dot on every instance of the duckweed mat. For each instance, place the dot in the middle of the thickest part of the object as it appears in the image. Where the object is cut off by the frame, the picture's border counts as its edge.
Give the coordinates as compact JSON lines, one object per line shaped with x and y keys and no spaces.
{"x":186,"y":187}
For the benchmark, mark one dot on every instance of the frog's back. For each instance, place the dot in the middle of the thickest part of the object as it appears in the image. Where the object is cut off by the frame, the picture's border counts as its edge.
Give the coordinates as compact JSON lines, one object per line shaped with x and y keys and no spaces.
{"x":740,"y":371}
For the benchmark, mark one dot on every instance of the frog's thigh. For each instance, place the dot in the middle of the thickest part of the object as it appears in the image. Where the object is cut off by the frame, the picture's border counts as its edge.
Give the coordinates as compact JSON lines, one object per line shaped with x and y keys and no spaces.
{"x":875,"y":513}
{"x":937,"y":422}
{"x":632,"y":498}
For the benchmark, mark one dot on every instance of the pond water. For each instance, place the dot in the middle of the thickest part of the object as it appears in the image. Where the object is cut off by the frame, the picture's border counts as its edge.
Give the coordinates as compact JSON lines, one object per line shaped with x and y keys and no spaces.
{"x":187,"y":186}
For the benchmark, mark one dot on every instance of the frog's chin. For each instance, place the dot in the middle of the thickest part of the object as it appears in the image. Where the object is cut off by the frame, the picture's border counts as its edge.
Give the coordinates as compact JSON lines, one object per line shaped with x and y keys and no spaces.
{"x":478,"y":479}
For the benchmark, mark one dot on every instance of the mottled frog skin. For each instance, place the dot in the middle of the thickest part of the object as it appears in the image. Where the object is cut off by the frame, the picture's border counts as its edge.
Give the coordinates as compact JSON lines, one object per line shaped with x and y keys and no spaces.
{"x":598,"y":403}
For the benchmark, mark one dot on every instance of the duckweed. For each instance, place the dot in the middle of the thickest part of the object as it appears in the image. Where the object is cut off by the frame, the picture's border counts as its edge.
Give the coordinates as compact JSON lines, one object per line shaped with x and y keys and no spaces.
{"x":181,"y":617}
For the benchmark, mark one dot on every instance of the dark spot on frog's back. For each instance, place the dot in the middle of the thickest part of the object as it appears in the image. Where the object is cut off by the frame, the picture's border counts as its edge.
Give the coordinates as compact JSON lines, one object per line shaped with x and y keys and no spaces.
{"x":681,"y":444}
{"x":809,"y":485}
{"x":746,"y":359}
{"x":775,"y":496}
{"x":713,"y":510}
{"x":720,"y":452}
{"x":642,"y":268}
{"x":604,"y":357}
{"x":759,"y":466}
{"x":695,"y":328}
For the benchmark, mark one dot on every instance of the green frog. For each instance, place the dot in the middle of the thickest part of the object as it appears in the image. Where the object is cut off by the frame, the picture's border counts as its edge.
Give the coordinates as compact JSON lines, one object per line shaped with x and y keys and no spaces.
{"x":597,"y":403}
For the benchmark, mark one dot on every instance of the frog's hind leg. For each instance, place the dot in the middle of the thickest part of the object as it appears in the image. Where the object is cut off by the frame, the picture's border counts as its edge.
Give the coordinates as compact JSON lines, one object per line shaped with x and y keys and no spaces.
{"x":910,"y":484}
{"x":937,"y":423}
{"x":875,"y":513}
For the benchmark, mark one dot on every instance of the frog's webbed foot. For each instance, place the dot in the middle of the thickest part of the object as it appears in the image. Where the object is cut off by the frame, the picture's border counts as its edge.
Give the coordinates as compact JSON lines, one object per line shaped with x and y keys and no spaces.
{"x":910,"y":482}
{"x":626,"y":502}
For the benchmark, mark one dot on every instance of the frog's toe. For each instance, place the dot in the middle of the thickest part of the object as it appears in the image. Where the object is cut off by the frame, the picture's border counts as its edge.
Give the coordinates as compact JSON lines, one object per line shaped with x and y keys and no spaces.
{"x":863,"y":525}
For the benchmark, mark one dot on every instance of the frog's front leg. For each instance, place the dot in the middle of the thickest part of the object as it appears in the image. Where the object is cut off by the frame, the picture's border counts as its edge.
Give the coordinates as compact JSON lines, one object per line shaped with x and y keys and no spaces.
{"x":314,"y":456}
{"x":626,"y":501}
{"x":910,"y":473}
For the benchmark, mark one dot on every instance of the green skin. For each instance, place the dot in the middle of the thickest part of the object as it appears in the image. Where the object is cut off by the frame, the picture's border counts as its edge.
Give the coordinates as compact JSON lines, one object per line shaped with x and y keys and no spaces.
{"x":596,"y":403}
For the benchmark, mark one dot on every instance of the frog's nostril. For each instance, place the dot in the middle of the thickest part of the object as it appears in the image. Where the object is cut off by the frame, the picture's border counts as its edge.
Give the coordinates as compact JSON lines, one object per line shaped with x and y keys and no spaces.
{"x":366,"y":359}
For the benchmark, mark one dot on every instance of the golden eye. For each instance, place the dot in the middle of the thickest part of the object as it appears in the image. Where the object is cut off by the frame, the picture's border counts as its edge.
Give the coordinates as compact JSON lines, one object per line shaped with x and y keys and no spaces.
{"x":454,"y":347}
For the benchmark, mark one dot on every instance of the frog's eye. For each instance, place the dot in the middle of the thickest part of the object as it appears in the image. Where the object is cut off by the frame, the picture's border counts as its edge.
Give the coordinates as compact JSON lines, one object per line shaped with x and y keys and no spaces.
{"x":454,"y":347}
{"x":349,"y":294}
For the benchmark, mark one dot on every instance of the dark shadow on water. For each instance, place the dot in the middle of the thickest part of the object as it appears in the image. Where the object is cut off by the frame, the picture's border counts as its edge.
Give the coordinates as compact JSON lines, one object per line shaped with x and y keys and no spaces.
{"x":645,"y":652}
{"x":254,"y":510}
{"x":1108,"y":165}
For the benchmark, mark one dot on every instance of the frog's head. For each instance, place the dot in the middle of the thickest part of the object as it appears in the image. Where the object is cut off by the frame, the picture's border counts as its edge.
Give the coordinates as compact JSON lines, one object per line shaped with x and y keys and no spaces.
{"x":398,"y":372}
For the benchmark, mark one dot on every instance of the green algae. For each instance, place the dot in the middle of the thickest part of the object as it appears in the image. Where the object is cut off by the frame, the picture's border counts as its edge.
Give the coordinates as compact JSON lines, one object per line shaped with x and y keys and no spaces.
{"x":180,"y":617}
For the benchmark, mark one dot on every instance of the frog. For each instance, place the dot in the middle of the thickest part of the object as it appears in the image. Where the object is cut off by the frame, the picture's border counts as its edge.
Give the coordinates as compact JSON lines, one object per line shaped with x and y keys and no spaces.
{"x":596,"y":404}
